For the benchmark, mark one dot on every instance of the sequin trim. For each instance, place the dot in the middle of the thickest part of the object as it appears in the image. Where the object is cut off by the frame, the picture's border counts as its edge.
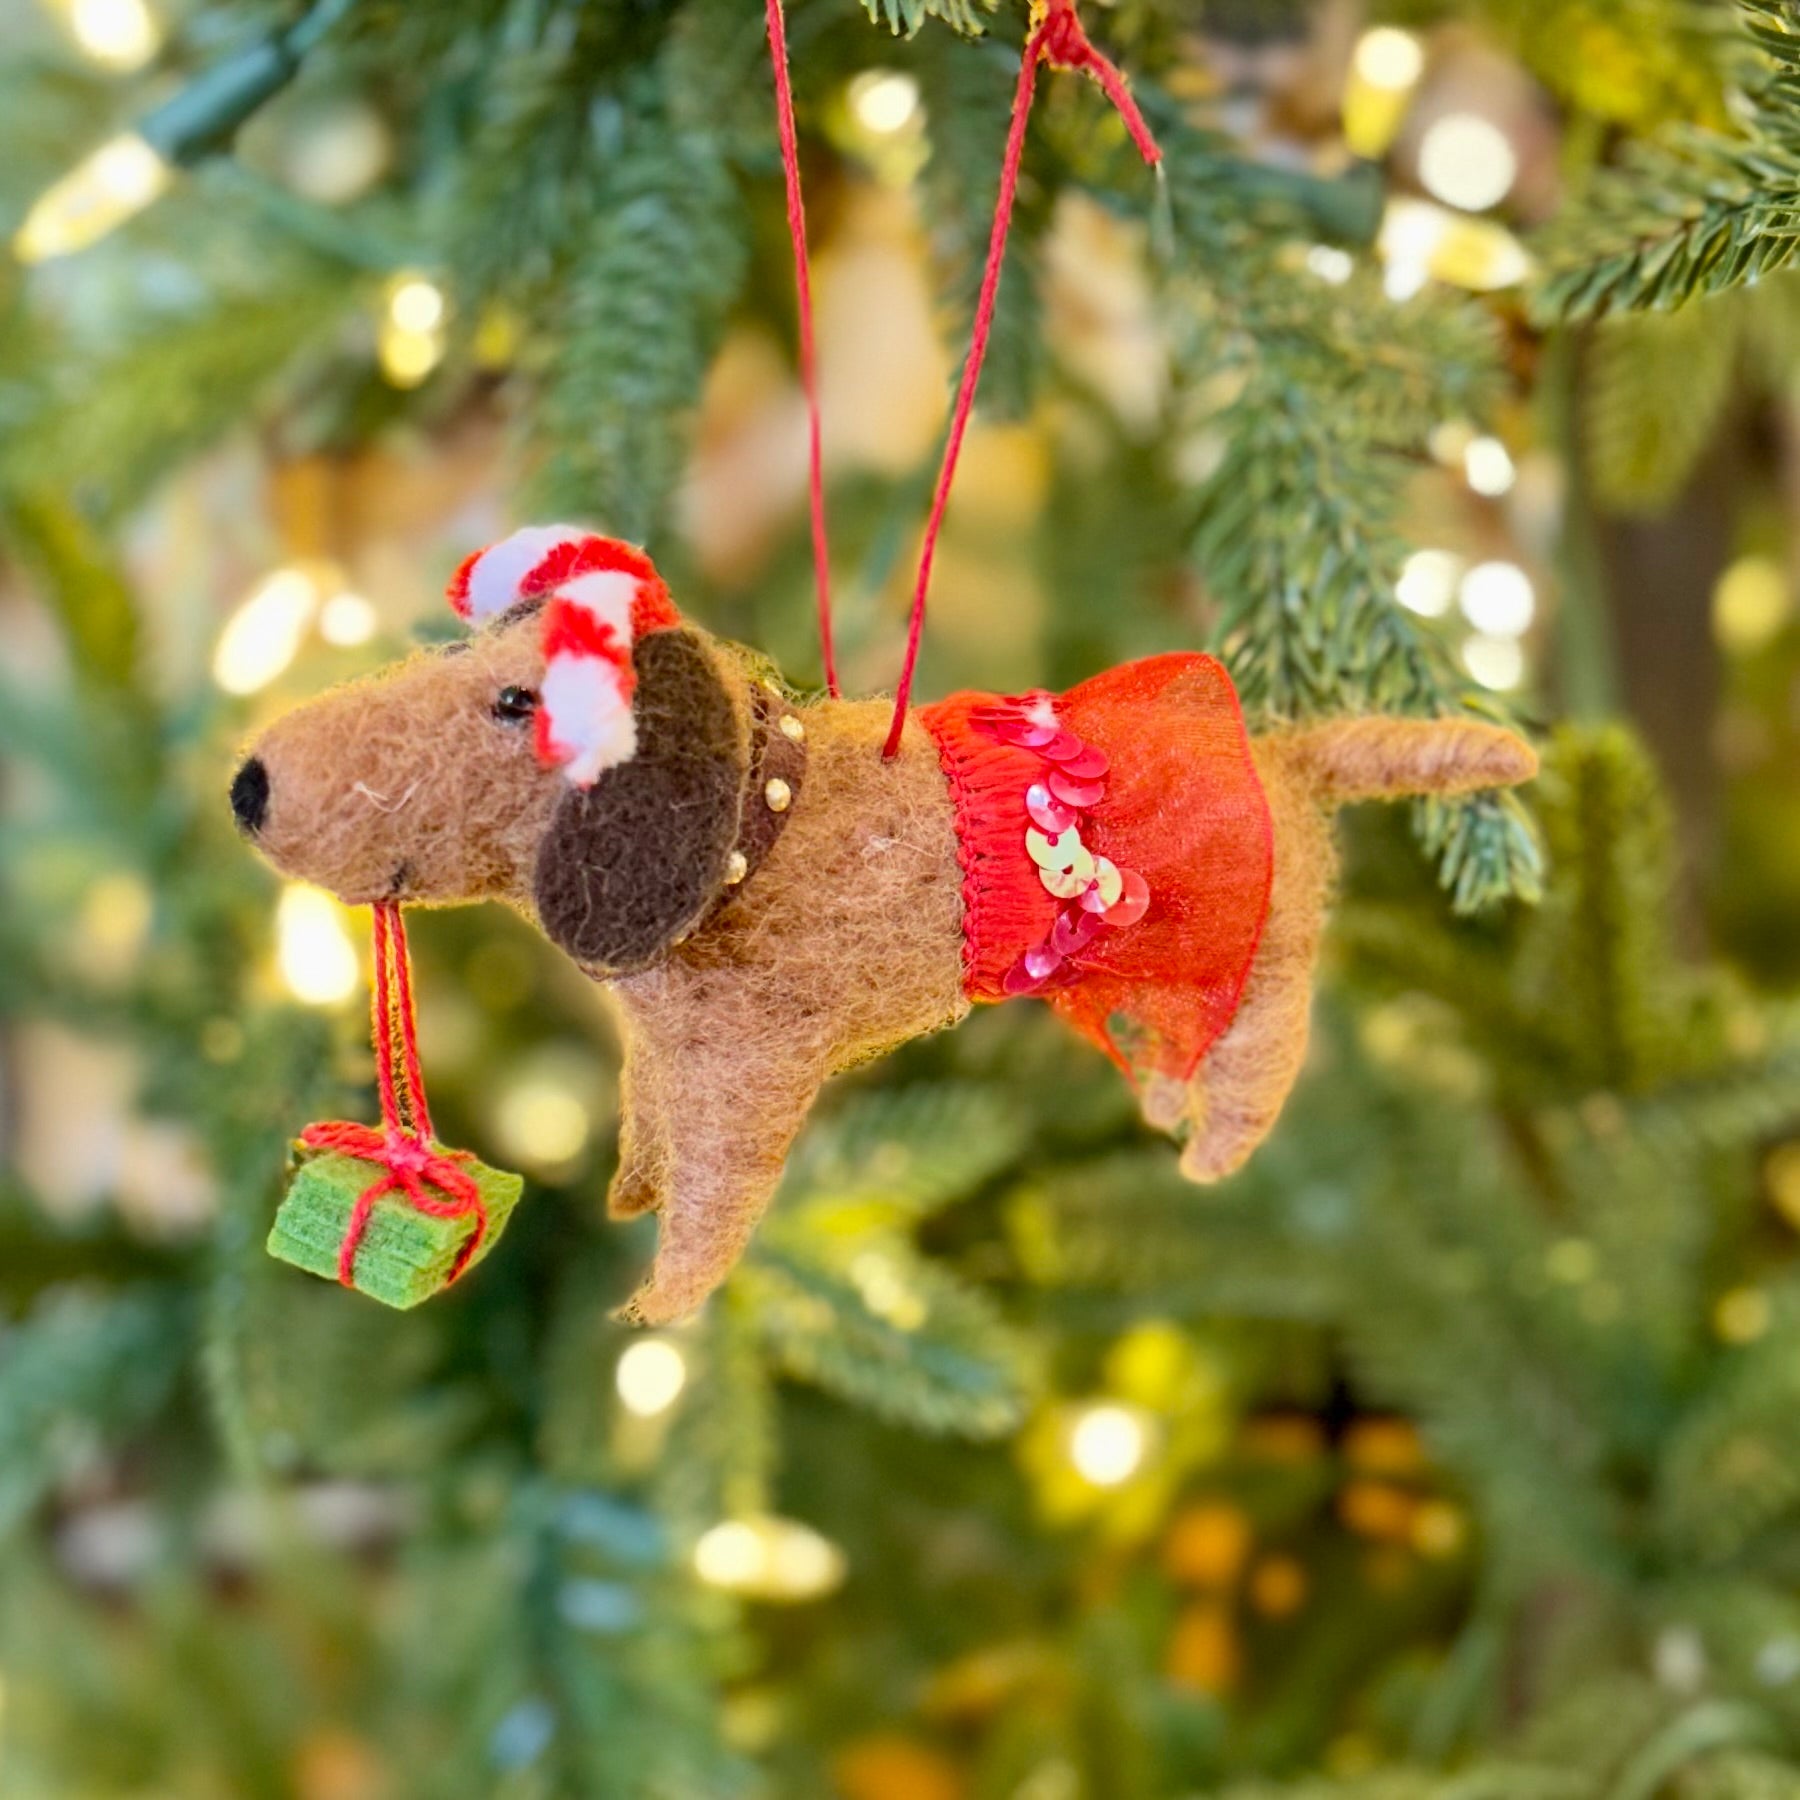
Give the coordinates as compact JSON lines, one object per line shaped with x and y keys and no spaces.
{"x":1096,"y":894}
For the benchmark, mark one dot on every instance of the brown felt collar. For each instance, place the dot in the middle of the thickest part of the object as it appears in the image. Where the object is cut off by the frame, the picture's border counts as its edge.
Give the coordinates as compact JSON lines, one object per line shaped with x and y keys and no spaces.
{"x":777,"y":773}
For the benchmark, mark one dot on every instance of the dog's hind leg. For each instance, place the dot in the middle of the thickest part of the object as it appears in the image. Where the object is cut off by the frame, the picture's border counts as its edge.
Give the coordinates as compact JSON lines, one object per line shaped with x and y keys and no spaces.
{"x":1238,"y":1091}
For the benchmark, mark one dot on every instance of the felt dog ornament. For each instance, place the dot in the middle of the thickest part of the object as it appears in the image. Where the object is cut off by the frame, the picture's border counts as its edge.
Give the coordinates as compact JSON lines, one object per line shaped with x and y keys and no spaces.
{"x":769,"y":901}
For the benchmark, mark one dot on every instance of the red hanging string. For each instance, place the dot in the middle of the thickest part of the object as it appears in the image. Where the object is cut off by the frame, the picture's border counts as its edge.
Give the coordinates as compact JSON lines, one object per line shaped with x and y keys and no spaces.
{"x":1056,"y":37}
{"x":402,"y":1147}
{"x":809,"y":379}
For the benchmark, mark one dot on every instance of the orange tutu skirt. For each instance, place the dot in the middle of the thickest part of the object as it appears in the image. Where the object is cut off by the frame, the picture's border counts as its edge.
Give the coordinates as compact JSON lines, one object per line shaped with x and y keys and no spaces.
{"x":1117,"y":853}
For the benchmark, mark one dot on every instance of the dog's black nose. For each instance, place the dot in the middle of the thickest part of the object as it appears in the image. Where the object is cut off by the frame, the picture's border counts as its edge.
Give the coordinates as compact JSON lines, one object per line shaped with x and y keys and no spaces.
{"x":250,"y":795}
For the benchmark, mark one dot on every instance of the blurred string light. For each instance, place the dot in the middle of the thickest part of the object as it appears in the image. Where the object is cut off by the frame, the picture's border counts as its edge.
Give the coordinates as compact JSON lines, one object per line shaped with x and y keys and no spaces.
{"x":1466,"y":161}
{"x":338,"y":154}
{"x":1428,"y":581}
{"x":117,"y":34}
{"x":766,"y":1558}
{"x":650,"y":1376}
{"x":1750,"y":604}
{"x":1330,"y":264}
{"x":542,"y":1119}
{"x":1494,"y":662}
{"x":1108,"y":1443}
{"x":886,"y":1292}
{"x":884,"y":101}
{"x":1385,"y":67}
{"x":1420,"y":241}
{"x":264,"y":635}
{"x":261,"y":638}
{"x":414,"y":315}
{"x":1488,"y":467}
{"x":124,"y":175}
{"x":1741,"y":1315}
{"x":99,"y":194}
{"x":1496,"y":597}
{"x":316,"y":955}
{"x":347,"y":619}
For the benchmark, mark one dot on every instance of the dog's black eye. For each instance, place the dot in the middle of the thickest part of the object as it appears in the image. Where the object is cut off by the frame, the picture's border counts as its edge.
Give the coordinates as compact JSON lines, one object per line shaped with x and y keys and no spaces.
{"x":514,"y":704}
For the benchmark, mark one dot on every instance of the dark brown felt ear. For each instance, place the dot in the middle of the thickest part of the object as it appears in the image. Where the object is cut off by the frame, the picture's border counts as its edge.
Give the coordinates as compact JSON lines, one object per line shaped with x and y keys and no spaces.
{"x":634,"y":861}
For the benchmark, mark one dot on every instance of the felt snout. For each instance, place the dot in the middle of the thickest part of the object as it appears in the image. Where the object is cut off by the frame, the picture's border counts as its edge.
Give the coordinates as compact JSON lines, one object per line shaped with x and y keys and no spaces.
{"x":420,"y":783}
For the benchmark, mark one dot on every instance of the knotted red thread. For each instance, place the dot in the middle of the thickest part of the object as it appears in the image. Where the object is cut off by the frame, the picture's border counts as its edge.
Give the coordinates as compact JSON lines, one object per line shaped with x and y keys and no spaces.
{"x":809,"y":378}
{"x":1056,"y":37}
{"x":402,"y":1145}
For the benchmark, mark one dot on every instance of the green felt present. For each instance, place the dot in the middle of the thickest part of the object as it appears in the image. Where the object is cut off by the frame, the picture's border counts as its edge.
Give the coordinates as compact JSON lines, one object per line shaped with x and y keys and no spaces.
{"x":405,"y":1255}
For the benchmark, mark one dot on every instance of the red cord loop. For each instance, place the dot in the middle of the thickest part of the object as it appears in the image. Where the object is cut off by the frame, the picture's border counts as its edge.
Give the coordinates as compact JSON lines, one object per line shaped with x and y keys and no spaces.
{"x":401,"y":1146}
{"x":809,"y":375}
{"x":1057,"y":37}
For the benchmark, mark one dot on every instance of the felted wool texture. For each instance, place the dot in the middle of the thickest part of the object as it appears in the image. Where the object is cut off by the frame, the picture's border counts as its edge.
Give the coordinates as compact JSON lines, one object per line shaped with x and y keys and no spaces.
{"x":630,"y":863}
{"x":847,"y":942}
{"x":1377,"y":758}
{"x":1238,"y":1091}
{"x":405,"y":1255}
{"x":406,"y":785}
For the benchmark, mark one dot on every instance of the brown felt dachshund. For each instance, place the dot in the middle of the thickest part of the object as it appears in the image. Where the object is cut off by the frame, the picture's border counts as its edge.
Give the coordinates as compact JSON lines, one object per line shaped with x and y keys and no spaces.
{"x":770,"y":901}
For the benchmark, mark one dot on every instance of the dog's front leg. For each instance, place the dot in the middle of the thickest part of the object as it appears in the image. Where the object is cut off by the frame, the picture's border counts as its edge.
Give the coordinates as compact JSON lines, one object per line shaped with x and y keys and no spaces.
{"x":719,"y":1090}
{"x":639,"y":1183}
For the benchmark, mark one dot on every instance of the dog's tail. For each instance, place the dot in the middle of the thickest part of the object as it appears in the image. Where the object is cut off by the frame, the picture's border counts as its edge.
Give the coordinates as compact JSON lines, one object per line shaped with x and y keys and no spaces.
{"x":1376,"y":758}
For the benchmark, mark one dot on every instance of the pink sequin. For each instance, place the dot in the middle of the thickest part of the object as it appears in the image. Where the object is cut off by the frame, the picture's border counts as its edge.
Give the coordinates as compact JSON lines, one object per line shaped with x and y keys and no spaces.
{"x":1086,"y":766}
{"x":1046,"y":811}
{"x":1097,"y":895}
{"x":1076,"y":793}
{"x":1134,"y":901}
{"x":1074,"y":931}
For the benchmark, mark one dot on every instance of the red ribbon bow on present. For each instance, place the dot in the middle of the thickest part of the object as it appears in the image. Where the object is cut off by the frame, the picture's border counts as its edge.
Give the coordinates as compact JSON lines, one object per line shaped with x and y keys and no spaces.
{"x":401,"y":1146}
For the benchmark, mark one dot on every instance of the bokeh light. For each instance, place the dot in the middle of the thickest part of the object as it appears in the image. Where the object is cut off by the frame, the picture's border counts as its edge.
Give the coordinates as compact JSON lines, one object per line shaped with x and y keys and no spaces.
{"x":316,"y":955}
{"x":1108,"y":1443}
{"x":650,"y":1376}
{"x":99,"y":194}
{"x":118,"y":34}
{"x":1497,"y":598}
{"x":1467,"y":162}
{"x":262,"y":637}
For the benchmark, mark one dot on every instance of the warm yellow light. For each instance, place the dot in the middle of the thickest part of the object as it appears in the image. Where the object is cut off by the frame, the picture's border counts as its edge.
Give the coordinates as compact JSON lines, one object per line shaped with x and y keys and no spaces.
{"x":886,"y":1291}
{"x":1330,"y":264}
{"x":1741,"y":1315}
{"x":884,"y":101}
{"x":1466,"y":161}
{"x":650,"y":1376}
{"x":1420,"y":240}
{"x":120,"y":178}
{"x":412,"y":340}
{"x":1428,"y":581}
{"x":768,"y":1558}
{"x":347,"y":619}
{"x":1384,"y":68}
{"x":1107,"y":1444}
{"x":317,"y":958}
{"x":1494,"y":662}
{"x":1496,"y":597}
{"x":1388,"y":58}
{"x":1750,"y":604}
{"x":121,"y":34}
{"x":261,"y":637}
{"x":1439,"y":1529}
{"x":415,"y":304}
{"x":1488,"y":467}
{"x":408,"y":357}
{"x":543,"y":1123}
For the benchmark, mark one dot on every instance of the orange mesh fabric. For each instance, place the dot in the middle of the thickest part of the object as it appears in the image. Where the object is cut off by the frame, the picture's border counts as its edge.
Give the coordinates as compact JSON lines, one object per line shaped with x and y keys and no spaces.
{"x":1183,"y":807}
